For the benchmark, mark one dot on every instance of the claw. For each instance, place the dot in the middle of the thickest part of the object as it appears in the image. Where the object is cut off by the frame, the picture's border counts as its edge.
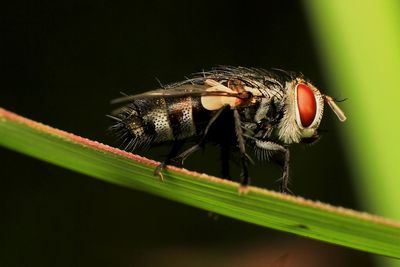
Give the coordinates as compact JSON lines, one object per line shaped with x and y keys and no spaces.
{"x":158,"y":169}
{"x":243,"y":189}
{"x":284,"y":189}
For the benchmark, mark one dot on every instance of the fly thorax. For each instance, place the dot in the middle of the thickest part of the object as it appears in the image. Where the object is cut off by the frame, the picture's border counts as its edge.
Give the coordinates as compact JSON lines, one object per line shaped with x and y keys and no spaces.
{"x":303,"y":111}
{"x":262,"y":110}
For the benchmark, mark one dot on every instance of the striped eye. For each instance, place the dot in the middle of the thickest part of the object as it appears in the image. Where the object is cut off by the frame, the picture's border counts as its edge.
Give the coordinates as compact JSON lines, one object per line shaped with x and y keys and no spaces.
{"x":306,"y":104}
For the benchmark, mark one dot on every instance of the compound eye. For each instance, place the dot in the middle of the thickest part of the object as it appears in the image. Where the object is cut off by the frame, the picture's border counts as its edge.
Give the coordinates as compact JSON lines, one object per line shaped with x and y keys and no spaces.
{"x":306,"y":104}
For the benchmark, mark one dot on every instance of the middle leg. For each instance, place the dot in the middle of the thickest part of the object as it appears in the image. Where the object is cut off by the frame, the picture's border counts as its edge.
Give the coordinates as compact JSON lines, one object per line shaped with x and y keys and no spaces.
{"x":245,"y":180}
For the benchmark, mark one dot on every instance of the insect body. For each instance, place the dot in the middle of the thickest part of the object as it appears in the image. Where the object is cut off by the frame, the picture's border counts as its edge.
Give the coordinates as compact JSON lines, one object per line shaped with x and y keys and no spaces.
{"x":234,"y":107}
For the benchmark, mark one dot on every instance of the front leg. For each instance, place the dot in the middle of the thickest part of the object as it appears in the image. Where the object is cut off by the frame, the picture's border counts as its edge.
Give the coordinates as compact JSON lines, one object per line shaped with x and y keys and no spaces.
{"x":284,"y":187}
{"x":274,"y":147}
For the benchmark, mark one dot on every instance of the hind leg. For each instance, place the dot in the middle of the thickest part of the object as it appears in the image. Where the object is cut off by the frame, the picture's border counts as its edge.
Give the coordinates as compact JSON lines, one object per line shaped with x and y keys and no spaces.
{"x":202,"y":140}
{"x":176,"y":146}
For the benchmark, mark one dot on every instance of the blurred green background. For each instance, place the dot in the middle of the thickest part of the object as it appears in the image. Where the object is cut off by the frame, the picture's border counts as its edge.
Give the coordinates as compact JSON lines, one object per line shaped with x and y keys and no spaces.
{"x":61,"y":63}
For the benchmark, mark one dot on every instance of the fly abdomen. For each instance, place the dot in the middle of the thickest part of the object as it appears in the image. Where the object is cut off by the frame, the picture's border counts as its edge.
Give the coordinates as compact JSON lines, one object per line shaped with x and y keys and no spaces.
{"x":147,"y":121}
{"x":180,"y":114}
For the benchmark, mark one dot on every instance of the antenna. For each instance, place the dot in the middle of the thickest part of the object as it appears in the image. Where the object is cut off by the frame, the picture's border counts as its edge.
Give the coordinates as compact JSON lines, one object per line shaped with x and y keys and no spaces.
{"x":339,"y":113}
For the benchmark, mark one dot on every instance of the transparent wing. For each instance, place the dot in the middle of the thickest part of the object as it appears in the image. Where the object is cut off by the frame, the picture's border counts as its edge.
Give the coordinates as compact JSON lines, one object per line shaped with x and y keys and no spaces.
{"x":209,"y":88}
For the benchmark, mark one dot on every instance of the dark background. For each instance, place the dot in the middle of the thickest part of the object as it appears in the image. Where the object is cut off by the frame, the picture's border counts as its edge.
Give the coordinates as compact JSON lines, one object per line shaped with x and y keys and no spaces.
{"x":61,"y":64}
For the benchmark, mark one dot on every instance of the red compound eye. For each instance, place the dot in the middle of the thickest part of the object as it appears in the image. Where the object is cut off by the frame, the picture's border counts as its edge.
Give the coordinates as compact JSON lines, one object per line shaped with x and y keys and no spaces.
{"x":306,"y":104}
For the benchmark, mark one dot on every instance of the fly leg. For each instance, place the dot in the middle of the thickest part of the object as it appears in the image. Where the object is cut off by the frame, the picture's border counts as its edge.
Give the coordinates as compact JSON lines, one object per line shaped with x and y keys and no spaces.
{"x":176,"y":146}
{"x":284,"y":187}
{"x":243,"y":156}
{"x":274,"y":147}
{"x":182,"y":157}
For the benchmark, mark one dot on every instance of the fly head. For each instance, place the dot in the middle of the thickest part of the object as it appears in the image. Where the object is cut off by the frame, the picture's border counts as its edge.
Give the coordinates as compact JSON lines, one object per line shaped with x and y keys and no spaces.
{"x":303,"y":111}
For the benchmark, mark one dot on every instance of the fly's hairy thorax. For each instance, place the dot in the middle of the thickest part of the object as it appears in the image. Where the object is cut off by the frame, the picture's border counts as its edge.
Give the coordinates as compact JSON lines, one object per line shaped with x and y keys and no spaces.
{"x":261,"y":119}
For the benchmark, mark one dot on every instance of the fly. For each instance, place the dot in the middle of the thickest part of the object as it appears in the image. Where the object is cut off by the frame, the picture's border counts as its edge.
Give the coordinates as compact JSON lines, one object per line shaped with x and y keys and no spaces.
{"x":234,"y":107}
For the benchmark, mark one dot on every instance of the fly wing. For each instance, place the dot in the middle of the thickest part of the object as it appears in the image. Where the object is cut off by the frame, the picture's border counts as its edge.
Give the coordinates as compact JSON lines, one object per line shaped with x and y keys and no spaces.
{"x":209,"y":88}
{"x":214,"y":95}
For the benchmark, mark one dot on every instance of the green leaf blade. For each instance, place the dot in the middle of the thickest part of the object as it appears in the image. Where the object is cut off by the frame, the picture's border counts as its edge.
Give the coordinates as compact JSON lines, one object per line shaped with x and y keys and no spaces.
{"x":262,"y":207}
